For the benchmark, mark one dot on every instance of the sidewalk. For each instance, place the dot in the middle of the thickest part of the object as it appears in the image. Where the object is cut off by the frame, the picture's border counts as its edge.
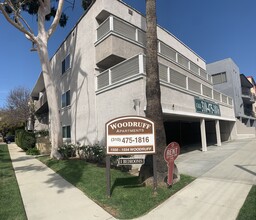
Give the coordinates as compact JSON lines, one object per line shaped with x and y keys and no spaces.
{"x":48,"y":196}
{"x":225,"y":176}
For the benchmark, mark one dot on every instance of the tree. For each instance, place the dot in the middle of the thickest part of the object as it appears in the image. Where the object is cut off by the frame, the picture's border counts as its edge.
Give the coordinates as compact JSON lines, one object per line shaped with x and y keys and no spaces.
{"x":87,"y":3}
{"x":16,"y":112}
{"x":45,"y":10}
{"x":153,"y":95}
{"x":6,"y":125}
{"x":17,"y":108}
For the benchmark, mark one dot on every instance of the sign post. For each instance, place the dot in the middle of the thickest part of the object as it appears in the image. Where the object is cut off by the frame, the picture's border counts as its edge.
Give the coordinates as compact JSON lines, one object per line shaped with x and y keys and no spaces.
{"x":171,"y":152}
{"x":128,"y":136}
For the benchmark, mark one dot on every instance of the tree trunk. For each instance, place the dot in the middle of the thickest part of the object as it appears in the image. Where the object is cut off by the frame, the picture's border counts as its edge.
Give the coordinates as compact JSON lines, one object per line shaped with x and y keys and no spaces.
{"x":153,"y":96}
{"x":52,"y":98}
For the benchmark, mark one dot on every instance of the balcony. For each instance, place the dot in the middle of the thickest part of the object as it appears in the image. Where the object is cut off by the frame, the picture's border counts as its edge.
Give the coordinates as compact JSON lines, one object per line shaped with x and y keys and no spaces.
{"x":249,"y":112}
{"x":248,"y":97}
{"x":123,"y":72}
{"x":41,"y":105}
{"x":118,"y":40}
{"x":134,"y":69}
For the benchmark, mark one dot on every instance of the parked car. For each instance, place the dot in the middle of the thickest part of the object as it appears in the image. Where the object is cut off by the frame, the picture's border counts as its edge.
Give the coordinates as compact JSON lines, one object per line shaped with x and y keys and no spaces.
{"x":8,"y":139}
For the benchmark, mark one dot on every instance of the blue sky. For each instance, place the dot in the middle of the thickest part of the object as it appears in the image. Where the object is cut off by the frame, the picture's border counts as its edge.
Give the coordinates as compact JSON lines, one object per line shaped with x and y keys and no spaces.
{"x":214,"y":29}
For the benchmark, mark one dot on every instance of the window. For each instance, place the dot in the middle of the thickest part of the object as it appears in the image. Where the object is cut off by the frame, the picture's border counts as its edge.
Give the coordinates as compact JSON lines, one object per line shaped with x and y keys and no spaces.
{"x":65,"y":99}
{"x":66,"y":64}
{"x":219,"y":78}
{"x":66,"y":133}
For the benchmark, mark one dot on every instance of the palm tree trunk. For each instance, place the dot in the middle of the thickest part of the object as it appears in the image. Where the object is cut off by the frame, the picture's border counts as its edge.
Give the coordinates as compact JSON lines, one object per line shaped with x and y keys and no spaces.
{"x":153,"y":96}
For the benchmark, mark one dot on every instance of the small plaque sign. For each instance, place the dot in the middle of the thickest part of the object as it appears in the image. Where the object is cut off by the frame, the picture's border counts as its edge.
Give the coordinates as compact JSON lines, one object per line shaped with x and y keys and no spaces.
{"x":130,"y":161}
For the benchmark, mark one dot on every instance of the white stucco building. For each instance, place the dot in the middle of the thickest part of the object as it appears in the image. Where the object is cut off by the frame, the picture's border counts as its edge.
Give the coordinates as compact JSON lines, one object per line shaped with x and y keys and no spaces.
{"x":100,"y":74}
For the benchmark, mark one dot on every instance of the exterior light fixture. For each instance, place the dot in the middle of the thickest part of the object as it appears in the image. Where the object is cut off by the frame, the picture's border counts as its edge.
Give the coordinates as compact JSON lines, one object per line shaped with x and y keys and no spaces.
{"x":137,"y":105}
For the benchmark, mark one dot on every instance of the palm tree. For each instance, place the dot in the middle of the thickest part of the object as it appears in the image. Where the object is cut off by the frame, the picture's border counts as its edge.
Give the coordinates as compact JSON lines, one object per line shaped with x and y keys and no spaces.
{"x":153,"y":96}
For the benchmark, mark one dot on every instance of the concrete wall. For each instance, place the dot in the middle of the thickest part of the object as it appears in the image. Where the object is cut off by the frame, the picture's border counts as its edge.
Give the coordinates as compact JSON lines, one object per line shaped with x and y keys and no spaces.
{"x":226,"y":130}
{"x":243,"y":130}
{"x":43,"y":145}
{"x":114,"y":45}
{"x":119,"y":102}
{"x":177,"y":102}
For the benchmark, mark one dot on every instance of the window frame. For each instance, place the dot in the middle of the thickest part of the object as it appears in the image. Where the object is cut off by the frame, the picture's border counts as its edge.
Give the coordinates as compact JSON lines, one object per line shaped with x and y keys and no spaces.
{"x":65,"y":64}
{"x":66,"y":132}
{"x":65,"y":99}
{"x":223,"y":78}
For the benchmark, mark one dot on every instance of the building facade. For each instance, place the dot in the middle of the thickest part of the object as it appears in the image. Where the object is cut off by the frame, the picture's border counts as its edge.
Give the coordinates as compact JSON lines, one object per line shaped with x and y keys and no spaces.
{"x":99,"y":72}
{"x":228,"y":79}
{"x":253,"y":94}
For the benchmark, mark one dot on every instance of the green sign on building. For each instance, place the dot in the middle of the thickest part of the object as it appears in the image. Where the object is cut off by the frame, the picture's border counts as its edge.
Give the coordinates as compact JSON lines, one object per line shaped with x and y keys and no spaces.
{"x":206,"y":107}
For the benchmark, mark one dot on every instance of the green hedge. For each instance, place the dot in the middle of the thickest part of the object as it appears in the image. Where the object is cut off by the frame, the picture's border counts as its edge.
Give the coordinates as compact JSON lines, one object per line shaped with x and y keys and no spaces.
{"x":25,"y":140}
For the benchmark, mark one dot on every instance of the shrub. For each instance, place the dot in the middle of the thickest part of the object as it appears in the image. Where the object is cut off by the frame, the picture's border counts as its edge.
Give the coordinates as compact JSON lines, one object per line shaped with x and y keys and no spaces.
{"x":32,"y":151}
{"x":24,"y":139}
{"x":67,"y":151}
{"x":42,"y":133}
{"x":28,"y":140}
{"x":93,"y":154}
{"x":18,"y":137}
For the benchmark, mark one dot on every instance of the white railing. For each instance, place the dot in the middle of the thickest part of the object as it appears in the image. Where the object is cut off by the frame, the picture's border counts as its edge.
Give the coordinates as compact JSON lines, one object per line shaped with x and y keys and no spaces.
{"x":133,"y":33}
{"x":120,"y":72}
{"x":134,"y":67}
{"x":42,"y":99}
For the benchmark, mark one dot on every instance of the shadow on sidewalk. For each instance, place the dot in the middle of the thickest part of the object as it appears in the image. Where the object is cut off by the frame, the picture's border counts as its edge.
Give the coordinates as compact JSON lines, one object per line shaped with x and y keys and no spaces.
{"x":245,"y":169}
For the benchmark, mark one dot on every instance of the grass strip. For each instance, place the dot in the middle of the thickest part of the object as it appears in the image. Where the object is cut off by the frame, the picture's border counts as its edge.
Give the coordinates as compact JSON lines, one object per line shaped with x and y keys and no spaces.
{"x":129,"y":199}
{"x":11,"y":205}
{"x":248,"y":210}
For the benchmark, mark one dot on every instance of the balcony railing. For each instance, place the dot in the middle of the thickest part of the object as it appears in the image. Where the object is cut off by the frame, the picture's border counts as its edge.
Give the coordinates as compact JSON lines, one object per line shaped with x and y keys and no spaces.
{"x":132,"y":33}
{"x":247,"y":94}
{"x":249,"y":112}
{"x":246,"y":91}
{"x":134,"y":68}
{"x":41,"y":101}
{"x":123,"y":71}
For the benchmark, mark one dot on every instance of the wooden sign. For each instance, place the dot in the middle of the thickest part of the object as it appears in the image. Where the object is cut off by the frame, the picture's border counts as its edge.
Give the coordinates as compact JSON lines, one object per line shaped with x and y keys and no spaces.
{"x":130,"y":135}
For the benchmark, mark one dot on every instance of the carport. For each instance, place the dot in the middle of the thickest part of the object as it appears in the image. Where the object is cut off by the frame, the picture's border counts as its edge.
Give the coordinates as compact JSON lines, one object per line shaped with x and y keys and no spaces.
{"x":191,"y":131}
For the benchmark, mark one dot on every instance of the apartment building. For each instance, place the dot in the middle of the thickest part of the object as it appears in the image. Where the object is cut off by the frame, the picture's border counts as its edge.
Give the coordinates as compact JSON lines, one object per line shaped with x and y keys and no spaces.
{"x":100,"y":74}
{"x":228,"y":79}
{"x":253,"y":95}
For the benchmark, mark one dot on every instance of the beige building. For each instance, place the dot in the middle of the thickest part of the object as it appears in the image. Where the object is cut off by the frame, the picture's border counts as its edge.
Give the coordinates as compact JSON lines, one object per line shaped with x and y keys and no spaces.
{"x":100,"y":75}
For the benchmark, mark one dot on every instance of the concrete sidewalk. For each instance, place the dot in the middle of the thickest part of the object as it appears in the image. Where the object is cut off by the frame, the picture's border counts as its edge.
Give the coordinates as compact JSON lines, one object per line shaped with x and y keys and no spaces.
{"x":48,"y":196}
{"x":225,"y":176}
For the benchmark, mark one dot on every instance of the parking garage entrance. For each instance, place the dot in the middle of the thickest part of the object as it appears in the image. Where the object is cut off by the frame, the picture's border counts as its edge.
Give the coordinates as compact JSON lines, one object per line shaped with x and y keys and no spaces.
{"x":187,"y":131}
